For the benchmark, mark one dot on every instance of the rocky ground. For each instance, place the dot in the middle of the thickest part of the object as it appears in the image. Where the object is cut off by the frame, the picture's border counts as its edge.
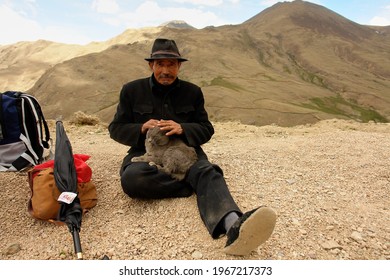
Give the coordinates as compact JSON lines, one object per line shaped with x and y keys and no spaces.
{"x":328,"y":182}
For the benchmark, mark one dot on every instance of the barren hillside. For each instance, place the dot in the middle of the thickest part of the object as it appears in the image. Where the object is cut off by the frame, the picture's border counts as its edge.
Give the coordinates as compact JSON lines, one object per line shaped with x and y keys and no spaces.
{"x":23,"y":63}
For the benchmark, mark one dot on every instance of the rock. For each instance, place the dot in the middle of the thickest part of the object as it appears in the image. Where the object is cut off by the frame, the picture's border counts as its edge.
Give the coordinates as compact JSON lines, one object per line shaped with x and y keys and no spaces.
{"x":303,"y":232}
{"x":330,"y":245}
{"x":312,"y":255}
{"x":295,"y":222}
{"x":290,"y":181}
{"x":197,"y":255}
{"x":335,"y":251}
{"x":13,"y":249}
{"x":357,"y":236}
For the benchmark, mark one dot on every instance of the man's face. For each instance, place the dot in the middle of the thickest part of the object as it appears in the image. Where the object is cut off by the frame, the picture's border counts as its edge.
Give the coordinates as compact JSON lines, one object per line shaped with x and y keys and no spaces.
{"x":165,"y":70}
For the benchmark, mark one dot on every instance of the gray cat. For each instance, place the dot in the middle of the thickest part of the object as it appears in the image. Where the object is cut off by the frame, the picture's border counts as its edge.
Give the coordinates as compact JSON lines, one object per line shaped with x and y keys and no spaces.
{"x":170,"y":155}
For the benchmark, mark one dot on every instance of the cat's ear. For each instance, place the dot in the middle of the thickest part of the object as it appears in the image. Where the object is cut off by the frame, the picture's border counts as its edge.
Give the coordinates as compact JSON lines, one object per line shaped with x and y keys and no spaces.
{"x":161,"y":138}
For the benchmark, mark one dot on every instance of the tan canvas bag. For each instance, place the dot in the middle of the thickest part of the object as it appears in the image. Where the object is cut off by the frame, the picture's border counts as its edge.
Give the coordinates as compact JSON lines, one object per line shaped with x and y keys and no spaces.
{"x":43,"y":202}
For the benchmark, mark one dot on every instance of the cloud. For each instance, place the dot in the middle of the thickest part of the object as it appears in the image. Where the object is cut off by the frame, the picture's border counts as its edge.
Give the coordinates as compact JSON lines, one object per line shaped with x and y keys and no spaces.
{"x":150,"y":13}
{"x":201,"y":2}
{"x":213,"y":3}
{"x":64,"y":35}
{"x":383,"y":19}
{"x":25,"y":29}
{"x":105,"y":6}
{"x":270,"y":2}
{"x":379,"y":21}
{"x":113,"y":21}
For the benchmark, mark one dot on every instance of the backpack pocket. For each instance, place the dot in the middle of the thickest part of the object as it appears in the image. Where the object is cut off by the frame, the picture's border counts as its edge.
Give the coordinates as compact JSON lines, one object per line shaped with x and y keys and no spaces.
{"x":10,"y":152}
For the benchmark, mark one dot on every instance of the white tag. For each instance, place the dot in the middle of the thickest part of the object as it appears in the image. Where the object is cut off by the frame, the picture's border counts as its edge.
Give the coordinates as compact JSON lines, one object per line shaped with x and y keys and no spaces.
{"x":67,"y":197}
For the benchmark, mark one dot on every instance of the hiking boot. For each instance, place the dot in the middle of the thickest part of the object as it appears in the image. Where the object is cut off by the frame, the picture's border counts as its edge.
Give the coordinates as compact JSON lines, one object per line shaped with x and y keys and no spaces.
{"x":251,"y":230}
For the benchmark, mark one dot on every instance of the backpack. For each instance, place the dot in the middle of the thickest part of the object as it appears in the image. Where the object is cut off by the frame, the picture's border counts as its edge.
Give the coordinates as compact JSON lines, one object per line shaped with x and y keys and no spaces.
{"x":22,"y":142}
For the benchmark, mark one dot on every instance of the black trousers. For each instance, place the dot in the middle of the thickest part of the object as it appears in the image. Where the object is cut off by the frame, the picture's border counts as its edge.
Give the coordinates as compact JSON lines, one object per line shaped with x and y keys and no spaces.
{"x":140,"y":180}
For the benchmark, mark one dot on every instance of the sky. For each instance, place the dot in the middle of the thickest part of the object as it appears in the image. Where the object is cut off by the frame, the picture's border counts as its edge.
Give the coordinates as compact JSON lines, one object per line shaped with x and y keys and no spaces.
{"x":84,"y":21}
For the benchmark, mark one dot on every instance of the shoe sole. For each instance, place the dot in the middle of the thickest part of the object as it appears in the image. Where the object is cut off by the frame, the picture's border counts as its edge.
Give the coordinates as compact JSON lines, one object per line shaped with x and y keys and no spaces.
{"x":253,"y":232}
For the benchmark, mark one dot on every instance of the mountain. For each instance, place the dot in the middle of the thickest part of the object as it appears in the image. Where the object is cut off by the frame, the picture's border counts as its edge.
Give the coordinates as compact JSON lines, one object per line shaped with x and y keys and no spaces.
{"x":293,"y":63}
{"x":177,"y":24}
{"x":23,"y":63}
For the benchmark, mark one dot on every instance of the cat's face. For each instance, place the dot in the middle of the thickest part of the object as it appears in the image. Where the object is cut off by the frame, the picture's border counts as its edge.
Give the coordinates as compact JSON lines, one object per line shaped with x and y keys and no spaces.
{"x":155,"y":136}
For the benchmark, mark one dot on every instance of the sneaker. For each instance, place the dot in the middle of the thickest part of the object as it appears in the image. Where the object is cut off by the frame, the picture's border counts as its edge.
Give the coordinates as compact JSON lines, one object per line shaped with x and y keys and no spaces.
{"x":250,"y":231}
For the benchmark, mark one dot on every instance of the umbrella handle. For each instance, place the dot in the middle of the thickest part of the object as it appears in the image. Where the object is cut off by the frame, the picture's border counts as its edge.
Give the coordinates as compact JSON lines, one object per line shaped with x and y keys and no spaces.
{"x":77,"y":244}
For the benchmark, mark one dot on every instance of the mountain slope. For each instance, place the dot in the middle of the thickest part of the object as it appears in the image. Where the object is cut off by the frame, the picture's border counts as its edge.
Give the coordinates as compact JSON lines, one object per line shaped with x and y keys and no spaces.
{"x":23,"y":63}
{"x":326,"y":49}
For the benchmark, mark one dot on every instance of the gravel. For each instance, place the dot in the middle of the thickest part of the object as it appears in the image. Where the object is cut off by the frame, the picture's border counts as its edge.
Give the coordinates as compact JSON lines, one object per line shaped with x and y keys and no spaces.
{"x":328,"y":182}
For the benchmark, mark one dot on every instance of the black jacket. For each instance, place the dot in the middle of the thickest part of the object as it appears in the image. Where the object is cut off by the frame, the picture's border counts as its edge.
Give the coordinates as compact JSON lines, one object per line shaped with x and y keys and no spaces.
{"x":143,"y":99}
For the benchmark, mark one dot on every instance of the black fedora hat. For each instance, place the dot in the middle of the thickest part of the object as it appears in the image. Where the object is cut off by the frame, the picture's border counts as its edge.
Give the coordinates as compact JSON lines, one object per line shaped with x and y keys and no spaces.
{"x":165,"y":49}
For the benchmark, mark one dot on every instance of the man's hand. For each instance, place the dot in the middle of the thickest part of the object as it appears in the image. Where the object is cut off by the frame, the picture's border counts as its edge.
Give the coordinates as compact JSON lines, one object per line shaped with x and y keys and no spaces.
{"x":149,"y":124}
{"x":170,"y":126}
